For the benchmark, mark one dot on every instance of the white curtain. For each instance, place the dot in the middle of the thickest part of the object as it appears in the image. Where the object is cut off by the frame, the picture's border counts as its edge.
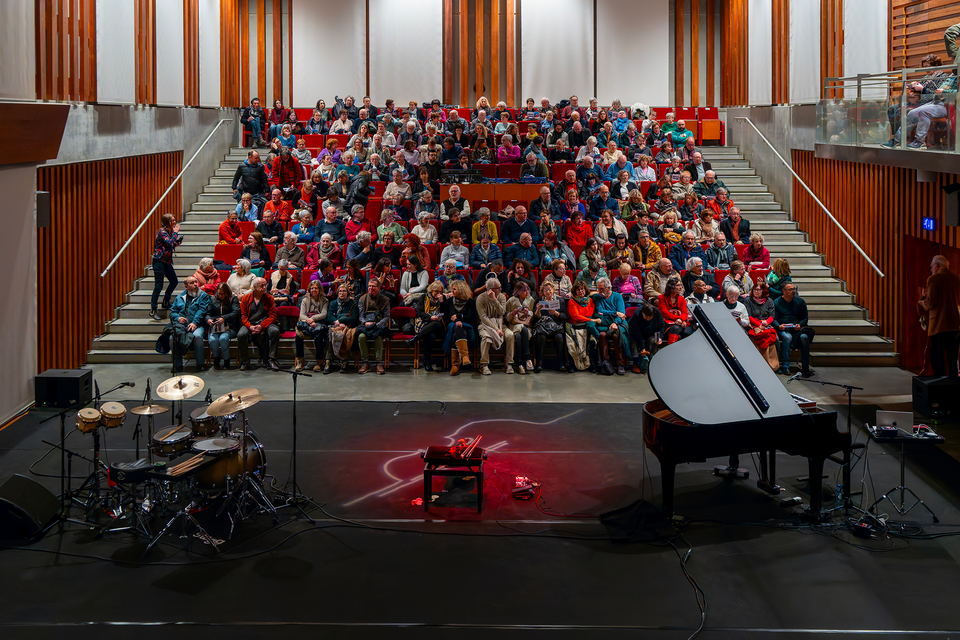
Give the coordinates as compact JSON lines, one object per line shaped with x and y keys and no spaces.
{"x":18,"y":244}
{"x":394,"y":73}
{"x":760,"y":47}
{"x":804,"y":52}
{"x":329,"y":51}
{"x":18,"y":51}
{"x":625,"y":62}
{"x":116,"y":53}
{"x":170,"y":53}
{"x":866,"y":41}
{"x":557,"y":49}
{"x":209,"y":26}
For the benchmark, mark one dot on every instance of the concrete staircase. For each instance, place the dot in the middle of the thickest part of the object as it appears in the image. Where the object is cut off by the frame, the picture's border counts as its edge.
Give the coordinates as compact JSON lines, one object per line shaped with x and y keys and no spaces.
{"x":845,"y":335}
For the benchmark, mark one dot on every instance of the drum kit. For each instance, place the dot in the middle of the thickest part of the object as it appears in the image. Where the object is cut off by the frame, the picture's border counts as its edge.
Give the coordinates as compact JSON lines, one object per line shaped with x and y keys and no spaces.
{"x":214,"y":460}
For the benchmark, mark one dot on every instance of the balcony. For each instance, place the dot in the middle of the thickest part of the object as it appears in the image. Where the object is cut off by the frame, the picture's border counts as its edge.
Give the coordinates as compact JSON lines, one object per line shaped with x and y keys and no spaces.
{"x":862,"y":117}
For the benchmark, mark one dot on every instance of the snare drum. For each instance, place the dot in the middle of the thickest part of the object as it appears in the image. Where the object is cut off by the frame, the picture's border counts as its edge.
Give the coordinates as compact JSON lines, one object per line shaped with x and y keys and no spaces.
{"x":171,"y":440}
{"x":203,"y":425}
{"x":230,"y":460}
{"x":88,"y":420}
{"x":113,"y":414}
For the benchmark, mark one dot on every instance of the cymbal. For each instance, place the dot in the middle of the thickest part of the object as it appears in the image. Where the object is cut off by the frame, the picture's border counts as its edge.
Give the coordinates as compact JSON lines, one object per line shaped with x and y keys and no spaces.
{"x":149,"y":410}
{"x":249,"y":391}
{"x":225,"y":405}
{"x":180,"y":387}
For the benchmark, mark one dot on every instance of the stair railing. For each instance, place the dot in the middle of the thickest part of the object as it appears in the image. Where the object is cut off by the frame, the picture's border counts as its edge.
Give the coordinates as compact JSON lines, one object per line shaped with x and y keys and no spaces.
{"x":157,"y":205}
{"x":814,"y":196}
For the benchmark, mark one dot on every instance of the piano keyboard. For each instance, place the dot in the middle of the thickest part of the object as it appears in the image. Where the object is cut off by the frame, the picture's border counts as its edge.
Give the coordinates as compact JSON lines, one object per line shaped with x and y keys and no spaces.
{"x":804,"y":403}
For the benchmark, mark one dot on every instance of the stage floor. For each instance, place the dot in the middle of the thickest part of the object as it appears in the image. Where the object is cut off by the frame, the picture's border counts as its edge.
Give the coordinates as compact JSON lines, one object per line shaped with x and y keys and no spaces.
{"x":395,"y":571}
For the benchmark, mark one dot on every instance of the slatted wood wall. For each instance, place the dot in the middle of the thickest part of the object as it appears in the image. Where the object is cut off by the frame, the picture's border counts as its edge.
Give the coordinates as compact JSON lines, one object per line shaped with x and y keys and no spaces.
{"x":916,"y":29}
{"x":702,"y":18}
{"x":66,"y":50}
{"x":735,"y":54}
{"x":95,"y":206}
{"x":483,"y":29}
{"x":880,"y":207}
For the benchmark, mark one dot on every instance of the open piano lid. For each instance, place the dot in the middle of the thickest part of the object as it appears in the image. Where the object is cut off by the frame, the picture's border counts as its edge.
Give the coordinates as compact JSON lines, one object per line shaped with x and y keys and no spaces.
{"x":717,"y":376}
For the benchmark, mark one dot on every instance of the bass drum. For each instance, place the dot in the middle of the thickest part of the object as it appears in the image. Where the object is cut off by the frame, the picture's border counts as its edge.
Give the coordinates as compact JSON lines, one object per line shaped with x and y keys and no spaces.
{"x":230,"y":464}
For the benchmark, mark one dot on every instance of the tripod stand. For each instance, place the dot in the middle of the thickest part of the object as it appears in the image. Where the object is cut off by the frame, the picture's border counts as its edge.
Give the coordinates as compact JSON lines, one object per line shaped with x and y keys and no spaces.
{"x":66,"y":464}
{"x":183,"y":516}
{"x":845,"y":462}
{"x":248,"y":493}
{"x":291,"y":490}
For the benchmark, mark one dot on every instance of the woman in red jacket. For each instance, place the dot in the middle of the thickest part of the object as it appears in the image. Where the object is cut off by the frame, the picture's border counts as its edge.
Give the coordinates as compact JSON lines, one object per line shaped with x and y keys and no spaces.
{"x":673,"y":308}
{"x":230,"y":231}
{"x":576,"y":231}
{"x":757,"y":255}
{"x":582,"y":327}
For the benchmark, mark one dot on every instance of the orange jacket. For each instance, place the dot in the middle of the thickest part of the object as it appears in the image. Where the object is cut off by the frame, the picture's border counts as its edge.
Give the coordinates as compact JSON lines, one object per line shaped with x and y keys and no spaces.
{"x":282,"y":213}
{"x":578,"y":314}
{"x":267,"y":301}
{"x":231,"y":232}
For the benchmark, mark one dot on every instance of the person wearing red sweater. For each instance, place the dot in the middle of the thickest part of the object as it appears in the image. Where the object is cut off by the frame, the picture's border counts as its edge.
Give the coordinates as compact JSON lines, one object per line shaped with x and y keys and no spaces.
{"x":358,"y":223}
{"x":576,"y":231}
{"x":756,"y":255}
{"x":230,"y":231}
{"x":673,"y":308}
{"x":282,"y":210}
{"x":258,"y":317}
{"x":286,"y":173}
{"x":584,"y":317}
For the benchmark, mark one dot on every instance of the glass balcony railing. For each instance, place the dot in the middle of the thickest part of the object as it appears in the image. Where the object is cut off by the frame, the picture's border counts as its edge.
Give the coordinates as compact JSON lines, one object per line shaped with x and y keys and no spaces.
{"x":910,"y":109}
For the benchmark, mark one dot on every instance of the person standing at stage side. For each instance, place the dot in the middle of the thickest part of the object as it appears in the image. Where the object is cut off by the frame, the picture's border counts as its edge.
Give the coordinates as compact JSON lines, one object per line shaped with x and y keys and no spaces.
{"x":941,"y":298}
{"x":167,"y":240}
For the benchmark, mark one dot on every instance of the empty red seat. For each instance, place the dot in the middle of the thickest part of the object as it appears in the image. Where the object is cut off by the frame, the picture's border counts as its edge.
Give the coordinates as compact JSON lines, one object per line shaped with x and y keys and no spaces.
{"x":228,"y":253}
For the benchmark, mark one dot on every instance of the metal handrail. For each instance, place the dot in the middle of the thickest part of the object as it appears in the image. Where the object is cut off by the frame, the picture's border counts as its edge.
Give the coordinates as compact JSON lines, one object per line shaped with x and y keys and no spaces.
{"x":813,"y":195}
{"x":157,"y":205}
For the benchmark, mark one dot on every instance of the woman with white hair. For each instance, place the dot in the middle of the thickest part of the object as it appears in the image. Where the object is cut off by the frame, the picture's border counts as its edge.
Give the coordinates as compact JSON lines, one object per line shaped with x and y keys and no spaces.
{"x":241,"y":280}
{"x":519,"y":318}
{"x":425,"y":231}
{"x":208,"y":278}
{"x":738,"y":310}
{"x":590,"y":149}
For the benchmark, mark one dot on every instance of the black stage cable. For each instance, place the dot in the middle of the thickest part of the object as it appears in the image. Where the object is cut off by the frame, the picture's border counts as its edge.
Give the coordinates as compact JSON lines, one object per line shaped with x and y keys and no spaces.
{"x":698,"y":591}
{"x":48,"y":452}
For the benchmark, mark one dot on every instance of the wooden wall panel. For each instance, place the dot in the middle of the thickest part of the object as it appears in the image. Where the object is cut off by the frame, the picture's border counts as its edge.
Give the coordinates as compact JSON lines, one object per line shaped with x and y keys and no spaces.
{"x":229,"y":54}
{"x":679,"y":94}
{"x":734,"y":53}
{"x":278,"y":52}
{"x":495,"y":52}
{"x":880,"y":207}
{"x":511,"y":55}
{"x":145,"y":39}
{"x":447,"y":52}
{"x":191,"y":53}
{"x":265,"y":102}
{"x":711,"y":53}
{"x":694,"y":53}
{"x":831,"y":43}
{"x":71,"y":252}
{"x":464,"y":54}
{"x":781,"y":51}
{"x":66,"y":59}
{"x":245,"y":53}
{"x":916,"y":29}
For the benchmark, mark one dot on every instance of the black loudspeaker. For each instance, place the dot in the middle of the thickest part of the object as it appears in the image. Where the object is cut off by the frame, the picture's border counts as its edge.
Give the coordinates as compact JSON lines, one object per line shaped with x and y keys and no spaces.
{"x":25,"y":508}
{"x":936,"y":396}
{"x":43,"y":209}
{"x":62,"y":388}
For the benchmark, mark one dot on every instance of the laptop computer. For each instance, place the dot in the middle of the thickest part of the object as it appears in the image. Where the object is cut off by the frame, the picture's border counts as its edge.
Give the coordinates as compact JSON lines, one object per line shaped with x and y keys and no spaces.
{"x":899,"y":419}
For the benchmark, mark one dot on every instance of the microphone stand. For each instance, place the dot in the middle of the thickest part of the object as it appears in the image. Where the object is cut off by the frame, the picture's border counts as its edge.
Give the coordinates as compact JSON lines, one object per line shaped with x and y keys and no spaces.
{"x":291,"y":490}
{"x":848,"y":391}
{"x":136,"y":430}
{"x":65,"y":465}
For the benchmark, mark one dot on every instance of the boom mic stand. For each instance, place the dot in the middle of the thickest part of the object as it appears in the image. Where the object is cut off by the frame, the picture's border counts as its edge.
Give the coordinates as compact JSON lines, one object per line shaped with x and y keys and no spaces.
{"x":65,"y":465}
{"x":845,"y":463}
{"x":291,"y":490}
{"x":136,"y":430}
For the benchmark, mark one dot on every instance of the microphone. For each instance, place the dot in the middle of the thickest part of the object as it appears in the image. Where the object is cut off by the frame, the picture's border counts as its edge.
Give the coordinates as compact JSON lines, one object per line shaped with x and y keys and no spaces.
{"x":96,"y":388}
{"x":793,"y":377}
{"x":129,"y":384}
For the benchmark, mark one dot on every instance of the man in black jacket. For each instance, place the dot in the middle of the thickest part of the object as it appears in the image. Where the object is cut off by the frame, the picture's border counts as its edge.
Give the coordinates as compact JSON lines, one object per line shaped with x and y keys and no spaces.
{"x":253,"y":119}
{"x":698,"y":167}
{"x":251,"y":178}
{"x":270,"y":229}
{"x":736,"y":228}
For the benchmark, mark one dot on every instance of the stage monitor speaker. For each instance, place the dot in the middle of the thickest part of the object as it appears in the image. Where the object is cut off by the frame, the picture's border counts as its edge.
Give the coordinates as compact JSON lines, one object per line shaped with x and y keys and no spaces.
{"x":62,"y":388}
{"x":25,"y":508}
{"x":936,"y":396}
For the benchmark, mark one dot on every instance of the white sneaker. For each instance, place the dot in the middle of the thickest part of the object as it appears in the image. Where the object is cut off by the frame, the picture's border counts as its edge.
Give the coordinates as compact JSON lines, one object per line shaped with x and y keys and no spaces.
{"x":510,"y":369}
{"x":529,"y":365}
{"x":484,"y":370}
{"x":520,"y":369}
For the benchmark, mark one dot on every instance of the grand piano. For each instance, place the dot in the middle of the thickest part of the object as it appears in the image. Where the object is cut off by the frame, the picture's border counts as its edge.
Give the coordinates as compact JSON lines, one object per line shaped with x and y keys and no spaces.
{"x":737,"y":406}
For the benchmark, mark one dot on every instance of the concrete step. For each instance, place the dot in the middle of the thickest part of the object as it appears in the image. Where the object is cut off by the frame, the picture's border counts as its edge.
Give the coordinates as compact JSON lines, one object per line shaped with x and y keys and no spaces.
{"x":840,"y":326}
{"x":836,"y":312}
{"x":854,"y":358}
{"x":846,"y":343}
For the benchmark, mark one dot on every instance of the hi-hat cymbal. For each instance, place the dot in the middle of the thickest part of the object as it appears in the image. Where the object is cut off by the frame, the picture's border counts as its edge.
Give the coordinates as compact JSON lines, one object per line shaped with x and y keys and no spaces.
{"x":180,"y":387}
{"x":149,"y":410}
{"x":230,"y":403}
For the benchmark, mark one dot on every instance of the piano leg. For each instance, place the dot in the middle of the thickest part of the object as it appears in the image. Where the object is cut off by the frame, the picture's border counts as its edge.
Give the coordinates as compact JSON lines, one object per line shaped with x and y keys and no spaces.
{"x":815,"y":479}
{"x":668,"y":471}
{"x":768,"y":472}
